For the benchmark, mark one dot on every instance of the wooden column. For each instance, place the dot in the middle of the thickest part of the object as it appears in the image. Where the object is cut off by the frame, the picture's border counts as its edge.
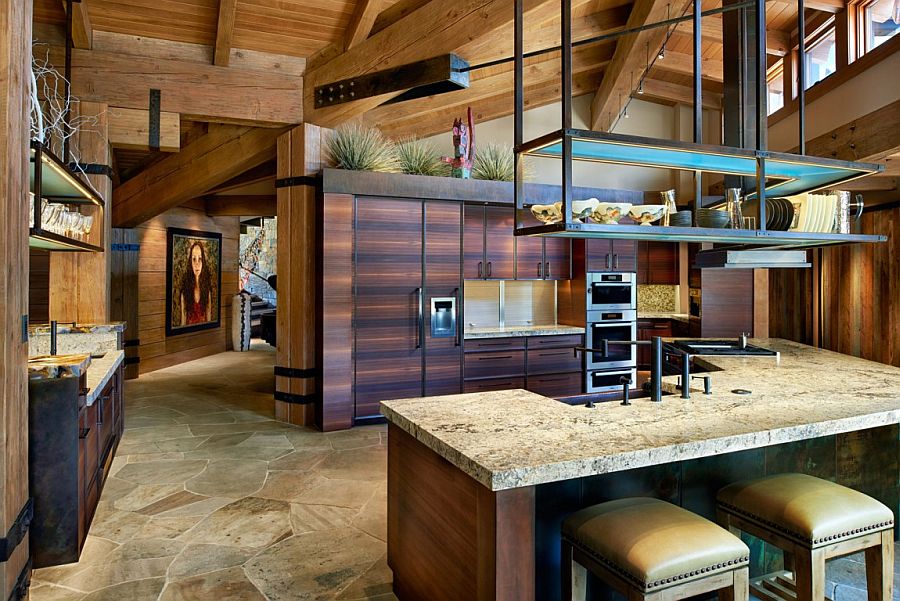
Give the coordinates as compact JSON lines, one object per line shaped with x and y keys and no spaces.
{"x":123,"y":299}
{"x":79,"y":282}
{"x":15,"y":63}
{"x":297,"y":373}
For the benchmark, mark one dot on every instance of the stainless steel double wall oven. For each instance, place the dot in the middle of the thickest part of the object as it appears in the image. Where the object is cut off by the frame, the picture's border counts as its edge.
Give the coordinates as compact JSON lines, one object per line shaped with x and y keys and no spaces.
{"x":611,"y":315}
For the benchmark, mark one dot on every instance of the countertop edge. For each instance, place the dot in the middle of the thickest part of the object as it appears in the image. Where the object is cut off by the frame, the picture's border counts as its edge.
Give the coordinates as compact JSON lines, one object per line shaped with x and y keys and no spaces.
{"x":522,"y":332}
{"x":95,"y":384}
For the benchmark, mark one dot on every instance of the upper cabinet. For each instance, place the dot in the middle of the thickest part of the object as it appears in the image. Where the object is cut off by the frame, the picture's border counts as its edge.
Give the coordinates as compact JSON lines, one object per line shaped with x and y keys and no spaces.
{"x":611,"y":255}
{"x":657,"y":263}
{"x":488,"y":243}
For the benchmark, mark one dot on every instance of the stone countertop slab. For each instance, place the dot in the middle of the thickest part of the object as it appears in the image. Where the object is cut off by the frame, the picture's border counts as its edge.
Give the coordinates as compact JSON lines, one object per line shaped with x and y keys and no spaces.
{"x":682,"y":317}
{"x":100,"y":372}
{"x":515,"y":438}
{"x":79,"y":328}
{"x":513,"y":331}
{"x":57,"y":366}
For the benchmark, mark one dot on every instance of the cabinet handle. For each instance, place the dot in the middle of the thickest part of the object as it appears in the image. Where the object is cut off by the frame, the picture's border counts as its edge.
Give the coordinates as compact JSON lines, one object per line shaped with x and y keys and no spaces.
{"x":616,"y":262}
{"x":608,"y":261}
{"x":492,"y":358}
{"x":458,"y":320}
{"x":419,"y":315}
{"x":490,"y":269}
{"x":540,"y":270}
{"x":480,"y":265}
{"x":548,"y":269}
{"x":546,"y":354}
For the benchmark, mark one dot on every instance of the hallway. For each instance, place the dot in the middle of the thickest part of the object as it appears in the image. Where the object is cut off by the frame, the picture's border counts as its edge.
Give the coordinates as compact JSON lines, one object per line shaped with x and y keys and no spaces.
{"x":210,"y":498}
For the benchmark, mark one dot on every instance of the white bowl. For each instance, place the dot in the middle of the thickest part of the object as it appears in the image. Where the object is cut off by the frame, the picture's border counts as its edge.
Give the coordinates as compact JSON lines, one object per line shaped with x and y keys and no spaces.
{"x":548,"y":213}
{"x":582,"y":209}
{"x":646,"y":214}
{"x":609,"y":213}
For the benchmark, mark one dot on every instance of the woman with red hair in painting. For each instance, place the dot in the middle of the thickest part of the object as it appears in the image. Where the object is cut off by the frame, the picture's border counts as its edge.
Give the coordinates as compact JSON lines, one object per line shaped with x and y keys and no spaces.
{"x":196,"y":288}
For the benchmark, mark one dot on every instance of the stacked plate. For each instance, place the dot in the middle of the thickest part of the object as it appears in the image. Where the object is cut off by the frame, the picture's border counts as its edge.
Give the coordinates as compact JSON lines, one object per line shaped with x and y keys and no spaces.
{"x":815,"y":212}
{"x":779,"y":213}
{"x":712,"y":218}
{"x":680,"y":219}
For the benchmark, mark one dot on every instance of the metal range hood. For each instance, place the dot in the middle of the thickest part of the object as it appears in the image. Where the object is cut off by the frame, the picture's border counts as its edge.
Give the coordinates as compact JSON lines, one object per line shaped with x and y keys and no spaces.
{"x":751,"y":259}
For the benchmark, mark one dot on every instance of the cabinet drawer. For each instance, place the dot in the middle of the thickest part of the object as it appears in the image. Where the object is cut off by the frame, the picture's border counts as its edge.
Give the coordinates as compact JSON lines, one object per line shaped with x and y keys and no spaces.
{"x":501,"y":364}
{"x":556,"y":385}
{"x":552,"y":361}
{"x":493,"y":384}
{"x":494,"y":344}
{"x":88,"y":445}
{"x":564,"y":341}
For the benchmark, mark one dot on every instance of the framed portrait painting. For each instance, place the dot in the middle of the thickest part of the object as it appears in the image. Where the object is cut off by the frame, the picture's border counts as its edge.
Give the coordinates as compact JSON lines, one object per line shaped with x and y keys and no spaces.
{"x":193,"y":281}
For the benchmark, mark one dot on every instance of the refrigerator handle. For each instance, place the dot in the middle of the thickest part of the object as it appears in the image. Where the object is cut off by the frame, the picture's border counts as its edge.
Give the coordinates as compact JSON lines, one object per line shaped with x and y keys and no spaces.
{"x":458,"y":305}
{"x":419,"y":317}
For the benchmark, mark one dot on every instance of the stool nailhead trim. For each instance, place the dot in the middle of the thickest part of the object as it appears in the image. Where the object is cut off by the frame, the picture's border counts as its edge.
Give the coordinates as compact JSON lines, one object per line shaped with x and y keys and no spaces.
{"x":639,"y":582}
{"x":800,"y":538}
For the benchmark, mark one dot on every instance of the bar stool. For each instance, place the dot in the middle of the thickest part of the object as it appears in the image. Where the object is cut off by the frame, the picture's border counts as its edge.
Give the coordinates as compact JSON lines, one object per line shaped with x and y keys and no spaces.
{"x":813,"y":520}
{"x":652,"y":550}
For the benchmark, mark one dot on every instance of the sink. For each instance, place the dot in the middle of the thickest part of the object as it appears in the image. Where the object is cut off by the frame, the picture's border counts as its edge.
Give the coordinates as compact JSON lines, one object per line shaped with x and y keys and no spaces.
{"x":722,"y":347}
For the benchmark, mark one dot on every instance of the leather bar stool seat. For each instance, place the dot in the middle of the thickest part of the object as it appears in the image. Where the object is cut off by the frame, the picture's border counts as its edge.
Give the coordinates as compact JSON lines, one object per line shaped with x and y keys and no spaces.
{"x":812,"y":520}
{"x":647,"y":548}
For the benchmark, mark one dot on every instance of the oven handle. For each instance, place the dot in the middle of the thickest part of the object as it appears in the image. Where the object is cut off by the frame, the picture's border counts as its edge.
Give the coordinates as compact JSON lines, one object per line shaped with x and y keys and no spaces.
{"x":605,"y":351}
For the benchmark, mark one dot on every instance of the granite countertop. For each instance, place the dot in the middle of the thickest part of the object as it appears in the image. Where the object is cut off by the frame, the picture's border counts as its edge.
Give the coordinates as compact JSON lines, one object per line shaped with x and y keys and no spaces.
{"x":100,"y":372}
{"x":682,"y":317}
{"x":79,"y":328}
{"x":515,"y":438}
{"x":57,"y":366}
{"x":512,"y":331}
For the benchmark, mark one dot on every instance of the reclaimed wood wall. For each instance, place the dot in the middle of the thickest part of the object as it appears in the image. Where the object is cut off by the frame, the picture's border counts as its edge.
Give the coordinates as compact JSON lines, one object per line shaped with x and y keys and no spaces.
{"x":857,"y":299}
{"x":15,"y":62}
{"x":39,"y":286}
{"x":157,"y":350}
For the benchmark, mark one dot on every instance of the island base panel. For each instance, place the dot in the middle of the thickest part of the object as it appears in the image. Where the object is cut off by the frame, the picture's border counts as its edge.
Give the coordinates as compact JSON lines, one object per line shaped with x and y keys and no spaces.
{"x":449,"y":537}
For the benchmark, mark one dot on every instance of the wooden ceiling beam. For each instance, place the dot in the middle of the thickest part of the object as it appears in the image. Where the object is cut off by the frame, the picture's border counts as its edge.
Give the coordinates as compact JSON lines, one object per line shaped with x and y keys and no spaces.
{"x":362,"y":21}
{"x":630,"y":57}
{"x":827,"y":6}
{"x":196,"y":91}
{"x":873,"y":137}
{"x":263,"y":205}
{"x":683,"y":64}
{"x":436,"y":28}
{"x":130,"y":129}
{"x":223,"y":153}
{"x":261,"y":173}
{"x":395,"y":12}
{"x":224,"y":32}
{"x":82,"y":31}
{"x":673,"y":93}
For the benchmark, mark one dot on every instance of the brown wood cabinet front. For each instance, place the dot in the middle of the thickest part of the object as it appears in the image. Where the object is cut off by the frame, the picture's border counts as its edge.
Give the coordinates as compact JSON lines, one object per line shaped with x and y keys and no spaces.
{"x":657,"y":263}
{"x":647,"y":329}
{"x":499,"y":364}
{"x":611,"y":255}
{"x":489,"y":243}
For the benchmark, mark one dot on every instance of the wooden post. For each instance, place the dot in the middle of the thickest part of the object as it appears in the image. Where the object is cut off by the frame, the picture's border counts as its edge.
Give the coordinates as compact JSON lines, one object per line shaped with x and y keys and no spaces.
{"x":79,"y":282}
{"x":123,"y":299}
{"x":297,"y":374}
{"x":15,"y":65}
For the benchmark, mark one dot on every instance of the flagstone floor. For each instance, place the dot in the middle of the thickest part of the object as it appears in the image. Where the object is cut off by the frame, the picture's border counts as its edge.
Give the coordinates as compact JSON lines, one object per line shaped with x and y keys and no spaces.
{"x":210,"y":498}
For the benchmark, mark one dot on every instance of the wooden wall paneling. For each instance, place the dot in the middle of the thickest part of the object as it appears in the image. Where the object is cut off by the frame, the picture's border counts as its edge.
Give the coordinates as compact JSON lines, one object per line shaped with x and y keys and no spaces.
{"x":727,"y":302}
{"x":123,"y":298}
{"x":39,"y":286}
{"x":336,"y":314}
{"x":156,"y":349}
{"x":760,"y":303}
{"x":15,"y":64}
{"x":443,"y":278}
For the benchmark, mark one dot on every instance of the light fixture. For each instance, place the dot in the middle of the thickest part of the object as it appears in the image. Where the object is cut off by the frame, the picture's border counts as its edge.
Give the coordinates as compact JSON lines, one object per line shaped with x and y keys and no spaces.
{"x":662,"y":51}
{"x":640,"y":89}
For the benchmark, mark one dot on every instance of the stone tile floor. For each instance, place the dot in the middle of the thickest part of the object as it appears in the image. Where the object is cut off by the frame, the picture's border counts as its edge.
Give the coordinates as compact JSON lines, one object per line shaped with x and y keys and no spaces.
{"x":210,"y":498}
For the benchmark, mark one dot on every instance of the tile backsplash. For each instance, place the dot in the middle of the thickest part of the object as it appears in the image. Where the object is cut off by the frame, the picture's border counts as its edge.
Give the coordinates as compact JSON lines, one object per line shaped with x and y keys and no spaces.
{"x":508,"y":302}
{"x":657,"y":299}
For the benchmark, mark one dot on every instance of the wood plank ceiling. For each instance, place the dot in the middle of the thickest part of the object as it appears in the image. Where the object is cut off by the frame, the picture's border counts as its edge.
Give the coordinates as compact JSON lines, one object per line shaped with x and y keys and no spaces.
{"x":321,"y":30}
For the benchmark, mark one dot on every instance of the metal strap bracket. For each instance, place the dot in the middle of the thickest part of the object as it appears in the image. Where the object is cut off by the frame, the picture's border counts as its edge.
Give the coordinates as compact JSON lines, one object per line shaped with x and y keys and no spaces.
{"x":297,"y":399}
{"x":298,"y":180}
{"x":294,"y":372}
{"x":17,"y":531}
{"x":153,"y":132}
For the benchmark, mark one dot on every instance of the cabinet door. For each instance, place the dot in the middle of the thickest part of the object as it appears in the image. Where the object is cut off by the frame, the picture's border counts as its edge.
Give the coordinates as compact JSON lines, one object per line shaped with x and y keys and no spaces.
{"x":557,"y":258}
{"x":529,"y":258}
{"x":624,"y":255}
{"x":499,"y":243}
{"x":473,"y":242}
{"x":598,"y":255}
{"x":443,"y":275}
{"x":389,"y":332}
{"x":662,"y":263}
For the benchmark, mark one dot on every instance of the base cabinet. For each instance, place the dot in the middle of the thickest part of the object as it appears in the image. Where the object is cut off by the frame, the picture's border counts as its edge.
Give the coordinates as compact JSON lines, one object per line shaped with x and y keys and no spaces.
{"x":70,"y":450}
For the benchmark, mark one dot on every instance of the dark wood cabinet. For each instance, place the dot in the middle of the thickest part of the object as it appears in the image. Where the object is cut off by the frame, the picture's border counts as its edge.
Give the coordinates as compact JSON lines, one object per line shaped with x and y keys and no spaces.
{"x":70,"y":450}
{"x":611,"y":255}
{"x":543,"y":258}
{"x":489,"y":242}
{"x":657,"y":263}
{"x":557,"y":258}
{"x":396,"y":356}
{"x":647,"y":329}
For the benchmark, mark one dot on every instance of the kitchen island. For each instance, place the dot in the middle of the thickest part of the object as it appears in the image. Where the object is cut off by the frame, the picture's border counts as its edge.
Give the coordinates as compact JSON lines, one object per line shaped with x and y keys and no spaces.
{"x":479,"y":483}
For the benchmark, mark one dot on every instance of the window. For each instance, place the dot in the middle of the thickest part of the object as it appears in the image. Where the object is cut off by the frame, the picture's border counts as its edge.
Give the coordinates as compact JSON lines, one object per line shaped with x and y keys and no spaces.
{"x":820,"y":57}
{"x":882,"y":22}
{"x":775,"y":85}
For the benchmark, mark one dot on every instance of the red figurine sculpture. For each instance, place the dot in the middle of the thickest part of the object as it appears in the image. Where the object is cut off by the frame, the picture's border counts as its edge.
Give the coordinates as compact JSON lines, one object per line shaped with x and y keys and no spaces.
{"x":463,"y":148}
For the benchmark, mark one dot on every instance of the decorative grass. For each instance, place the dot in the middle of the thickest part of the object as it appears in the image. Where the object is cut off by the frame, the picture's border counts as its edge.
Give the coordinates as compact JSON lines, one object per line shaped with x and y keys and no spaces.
{"x":419,"y":157}
{"x":359,"y":148}
{"x":494,"y":162}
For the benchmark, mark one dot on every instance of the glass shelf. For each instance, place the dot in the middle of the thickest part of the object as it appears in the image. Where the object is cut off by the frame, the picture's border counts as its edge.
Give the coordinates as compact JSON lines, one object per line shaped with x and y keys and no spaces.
{"x":770,"y":238}
{"x":786,"y":174}
{"x":46,"y":240}
{"x":58,"y":182}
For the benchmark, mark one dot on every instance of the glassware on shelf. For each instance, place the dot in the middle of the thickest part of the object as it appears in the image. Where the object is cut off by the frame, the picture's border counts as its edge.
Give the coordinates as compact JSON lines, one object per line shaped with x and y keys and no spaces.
{"x":733,"y":208}
{"x":667,"y":198}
